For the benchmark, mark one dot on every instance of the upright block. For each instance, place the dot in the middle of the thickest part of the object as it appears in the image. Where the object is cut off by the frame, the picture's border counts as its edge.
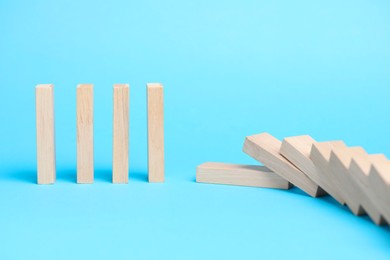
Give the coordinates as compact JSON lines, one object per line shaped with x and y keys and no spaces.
{"x":320,"y":155}
{"x":85,"y":169}
{"x":359,"y":171}
{"x":155,"y":132}
{"x":297,"y":150}
{"x":45,"y":134}
{"x":242,"y":175}
{"x":339,"y":162}
{"x":120,"y":164}
{"x":379,"y":184}
{"x":265,"y":148}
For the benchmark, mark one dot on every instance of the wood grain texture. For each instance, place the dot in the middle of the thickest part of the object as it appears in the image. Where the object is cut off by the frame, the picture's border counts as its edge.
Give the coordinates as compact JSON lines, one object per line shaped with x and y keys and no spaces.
{"x":379,"y":184}
{"x":155,"y":132}
{"x":120,"y":164}
{"x":85,"y":161}
{"x":339,"y":162}
{"x":46,"y":164}
{"x":266,"y":149}
{"x":359,"y":171}
{"x":320,"y":155}
{"x":241,"y":175}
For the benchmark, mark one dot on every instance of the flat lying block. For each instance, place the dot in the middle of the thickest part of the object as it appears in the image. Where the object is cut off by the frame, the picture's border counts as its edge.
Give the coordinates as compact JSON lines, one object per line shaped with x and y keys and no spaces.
{"x":359,"y":171}
{"x":155,"y":132}
{"x":120,"y":156}
{"x":265,"y":148}
{"x":379,"y":183}
{"x":242,"y":175}
{"x":320,"y":155}
{"x":339,"y":163}
{"x":46,"y":164}
{"x":85,"y":133}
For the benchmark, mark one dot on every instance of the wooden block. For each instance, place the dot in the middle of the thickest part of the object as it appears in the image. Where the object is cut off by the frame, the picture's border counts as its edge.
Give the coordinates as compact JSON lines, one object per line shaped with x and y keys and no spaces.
{"x":297,"y":150}
{"x":241,"y":175}
{"x":359,"y":171}
{"x":379,"y":184}
{"x":155,"y":132}
{"x":46,"y":163}
{"x":339,"y":163}
{"x":85,"y":169}
{"x":265,"y":148}
{"x":120,"y":164}
{"x":320,"y":155}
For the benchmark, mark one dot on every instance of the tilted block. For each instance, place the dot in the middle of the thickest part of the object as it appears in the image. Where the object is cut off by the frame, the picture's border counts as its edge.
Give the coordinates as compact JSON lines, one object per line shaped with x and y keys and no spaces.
{"x":242,"y":175}
{"x":266,"y":149}
{"x":379,"y":184}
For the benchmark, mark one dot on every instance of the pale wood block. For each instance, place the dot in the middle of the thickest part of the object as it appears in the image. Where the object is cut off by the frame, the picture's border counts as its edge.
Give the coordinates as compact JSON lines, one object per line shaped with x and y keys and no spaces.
{"x":85,"y":162}
{"x":241,"y":175}
{"x":265,"y":148}
{"x":359,"y":171}
{"x":155,"y":132}
{"x":379,"y":184}
{"x":46,"y":163}
{"x":120,"y":161}
{"x":339,"y":163}
{"x":320,"y":155}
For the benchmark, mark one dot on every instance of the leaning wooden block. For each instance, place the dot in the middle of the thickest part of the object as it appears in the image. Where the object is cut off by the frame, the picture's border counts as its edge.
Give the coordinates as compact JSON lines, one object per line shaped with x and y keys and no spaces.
{"x":85,"y":133}
{"x":339,"y":162}
{"x":155,"y":132}
{"x":46,"y":163}
{"x":359,"y":171}
{"x":297,"y":150}
{"x":242,"y":175}
{"x":265,"y":148}
{"x":120,"y":151}
{"x":320,"y":155}
{"x":379,"y":184}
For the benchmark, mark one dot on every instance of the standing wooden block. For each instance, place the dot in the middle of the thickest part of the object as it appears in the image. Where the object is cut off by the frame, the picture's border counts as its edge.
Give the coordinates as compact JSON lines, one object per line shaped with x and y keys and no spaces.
{"x":120,"y":164}
{"x":242,"y":175}
{"x":297,"y":150}
{"x":46,"y":163}
{"x":359,"y":171}
{"x":265,"y":148}
{"x":379,"y":184}
{"x":320,"y":155}
{"x":339,"y":162}
{"x":155,"y":132}
{"x":85,"y":133}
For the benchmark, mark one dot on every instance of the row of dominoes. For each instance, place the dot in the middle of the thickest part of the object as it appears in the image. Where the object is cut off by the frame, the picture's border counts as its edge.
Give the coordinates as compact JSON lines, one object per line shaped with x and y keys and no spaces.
{"x":349,"y":174}
{"x":46,"y":159}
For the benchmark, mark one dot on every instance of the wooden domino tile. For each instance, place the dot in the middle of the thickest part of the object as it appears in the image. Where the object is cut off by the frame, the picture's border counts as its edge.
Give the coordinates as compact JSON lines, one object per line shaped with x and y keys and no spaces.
{"x":241,"y":175}
{"x":359,"y":171}
{"x":85,"y":162}
{"x":155,"y":102}
{"x":265,"y":148}
{"x":379,"y":183}
{"x":120,"y":157}
{"x":46,"y":164}
{"x":320,"y":155}
{"x":339,"y":163}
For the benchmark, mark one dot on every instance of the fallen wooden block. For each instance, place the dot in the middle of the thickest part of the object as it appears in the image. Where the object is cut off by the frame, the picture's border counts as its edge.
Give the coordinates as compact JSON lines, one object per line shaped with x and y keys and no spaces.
{"x":46,"y":164}
{"x":120,"y":151}
{"x":265,"y":148}
{"x":320,"y":155}
{"x":339,"y":163}
{"x":242,"y":175}
{"x":379,"y":184}
{"x":155,"y":132}
{"x":359,"y":171}
{"x":85,"y":162}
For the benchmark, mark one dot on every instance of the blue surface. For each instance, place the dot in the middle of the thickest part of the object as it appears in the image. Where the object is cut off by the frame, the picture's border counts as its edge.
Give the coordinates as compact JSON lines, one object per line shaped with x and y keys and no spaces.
{"x":230,"y":69}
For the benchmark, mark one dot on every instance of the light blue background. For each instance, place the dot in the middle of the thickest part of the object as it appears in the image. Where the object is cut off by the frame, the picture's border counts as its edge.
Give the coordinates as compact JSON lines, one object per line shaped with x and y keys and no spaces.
{"x":230,"y":69}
